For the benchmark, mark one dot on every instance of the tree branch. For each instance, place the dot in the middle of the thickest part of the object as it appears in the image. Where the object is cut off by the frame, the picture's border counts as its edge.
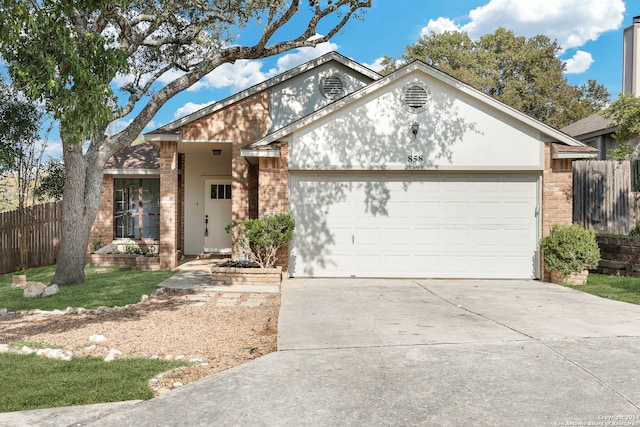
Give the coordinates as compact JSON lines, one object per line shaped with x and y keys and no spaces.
{"x":230,"y":54}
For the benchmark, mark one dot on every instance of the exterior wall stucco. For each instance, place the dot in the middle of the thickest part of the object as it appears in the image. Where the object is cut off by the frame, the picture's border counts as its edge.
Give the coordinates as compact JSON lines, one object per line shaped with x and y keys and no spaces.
{"x":301,"y":95}
{"x":456,"y":132}
{"x":202,"y":164}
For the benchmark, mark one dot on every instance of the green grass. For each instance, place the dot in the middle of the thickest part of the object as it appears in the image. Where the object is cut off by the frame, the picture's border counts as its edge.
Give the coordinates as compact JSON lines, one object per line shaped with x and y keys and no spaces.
{"x":32,"y":382}
{"x":619,"y":288}
{"x":114,"y":288}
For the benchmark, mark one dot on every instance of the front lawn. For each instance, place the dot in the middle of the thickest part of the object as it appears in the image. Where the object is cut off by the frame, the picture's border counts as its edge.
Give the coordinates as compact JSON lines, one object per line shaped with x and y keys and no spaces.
{"x":33,"y":382}
{"x":110,"y":289}
{"x":619,"y":288}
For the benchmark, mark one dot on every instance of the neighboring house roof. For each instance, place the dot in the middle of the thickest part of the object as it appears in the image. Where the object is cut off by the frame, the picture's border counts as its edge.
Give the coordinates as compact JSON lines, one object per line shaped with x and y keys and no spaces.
{"x":171,"y":131}
{"x":139,"y":158}
{"x":552,"y":134}
{"x":591,"y":126}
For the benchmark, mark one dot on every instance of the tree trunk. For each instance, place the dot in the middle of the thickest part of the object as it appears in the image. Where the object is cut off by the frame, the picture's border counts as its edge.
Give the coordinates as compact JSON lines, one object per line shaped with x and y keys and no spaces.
{"x":80,"y":201}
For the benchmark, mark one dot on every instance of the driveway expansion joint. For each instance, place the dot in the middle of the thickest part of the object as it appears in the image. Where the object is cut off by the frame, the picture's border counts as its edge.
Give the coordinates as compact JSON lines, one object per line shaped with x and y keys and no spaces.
{"x":541,"y":341}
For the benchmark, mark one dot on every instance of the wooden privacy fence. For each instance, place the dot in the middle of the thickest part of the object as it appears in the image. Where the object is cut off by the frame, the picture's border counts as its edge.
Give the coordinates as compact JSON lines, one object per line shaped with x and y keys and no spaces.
{"x":36,"y":241}
{"x":604,"y":199}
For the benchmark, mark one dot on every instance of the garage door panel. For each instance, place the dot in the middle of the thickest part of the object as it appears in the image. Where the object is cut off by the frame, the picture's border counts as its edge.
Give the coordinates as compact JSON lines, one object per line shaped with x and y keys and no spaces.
{"x":437,"y":225}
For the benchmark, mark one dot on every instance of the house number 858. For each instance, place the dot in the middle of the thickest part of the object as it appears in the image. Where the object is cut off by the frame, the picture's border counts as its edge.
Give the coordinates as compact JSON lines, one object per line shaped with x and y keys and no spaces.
{"x":415,"y":158}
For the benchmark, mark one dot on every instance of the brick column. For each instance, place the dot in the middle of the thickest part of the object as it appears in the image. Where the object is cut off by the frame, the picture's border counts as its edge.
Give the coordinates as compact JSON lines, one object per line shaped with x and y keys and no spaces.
{"x":168,"y":205}
{"x":557,"y":191}
{"x":273,"y":192}
{"x":102,"y":229}
{"x":557,"y":195}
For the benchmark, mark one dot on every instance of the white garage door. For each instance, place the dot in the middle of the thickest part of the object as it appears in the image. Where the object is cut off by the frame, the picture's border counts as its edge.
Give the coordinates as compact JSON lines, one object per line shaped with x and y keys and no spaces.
{"x":418,"y":225}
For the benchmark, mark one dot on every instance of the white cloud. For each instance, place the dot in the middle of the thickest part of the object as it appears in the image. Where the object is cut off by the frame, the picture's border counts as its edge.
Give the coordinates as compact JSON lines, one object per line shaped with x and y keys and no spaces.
{"x":239,"y":75}
{"x":375,"y":65}
{"x":116,"y":126}
{"x":242,"y":73}
{"x":302,"y":55}
{"x":54,"y":149}
{"x":580,"y":62}
{"x":245,"y":73}
{"x":189,"y":108}
{"x":439,"y":26}
{"x":150,"y":126}
{"x":571,"y":22}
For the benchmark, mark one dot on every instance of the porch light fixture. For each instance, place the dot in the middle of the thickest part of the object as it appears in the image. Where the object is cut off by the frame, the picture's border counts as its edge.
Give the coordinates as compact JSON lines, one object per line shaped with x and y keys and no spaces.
{"x":216,"y":152}
{"x":414,"y":129}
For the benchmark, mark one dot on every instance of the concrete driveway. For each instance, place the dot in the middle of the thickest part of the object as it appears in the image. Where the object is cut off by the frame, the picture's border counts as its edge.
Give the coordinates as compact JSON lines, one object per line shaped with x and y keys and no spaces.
{"x":424,"y":352}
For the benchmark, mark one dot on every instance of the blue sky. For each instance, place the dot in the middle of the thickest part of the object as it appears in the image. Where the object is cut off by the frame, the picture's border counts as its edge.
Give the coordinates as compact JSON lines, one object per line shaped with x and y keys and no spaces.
{"x":590,"y":31}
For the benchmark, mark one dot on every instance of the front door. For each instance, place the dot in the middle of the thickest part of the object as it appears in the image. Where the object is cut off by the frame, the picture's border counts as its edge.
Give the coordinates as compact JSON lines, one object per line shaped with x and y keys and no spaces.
{"x":217,"y":210}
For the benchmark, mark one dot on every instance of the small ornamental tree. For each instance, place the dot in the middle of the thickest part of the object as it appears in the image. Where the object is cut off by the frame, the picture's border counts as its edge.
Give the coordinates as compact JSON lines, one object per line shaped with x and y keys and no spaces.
{"x":262,"y":237}
{"x":570,"y":249}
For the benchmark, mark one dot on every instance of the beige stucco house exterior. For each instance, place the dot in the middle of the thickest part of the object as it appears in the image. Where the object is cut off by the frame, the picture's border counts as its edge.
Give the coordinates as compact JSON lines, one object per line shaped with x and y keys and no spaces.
{"x":414,"y":174}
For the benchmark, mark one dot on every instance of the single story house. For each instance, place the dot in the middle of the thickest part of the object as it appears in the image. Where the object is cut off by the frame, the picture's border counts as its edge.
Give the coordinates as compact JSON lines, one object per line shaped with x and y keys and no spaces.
{"x":596,"y":131}
{"x":413,"y":174}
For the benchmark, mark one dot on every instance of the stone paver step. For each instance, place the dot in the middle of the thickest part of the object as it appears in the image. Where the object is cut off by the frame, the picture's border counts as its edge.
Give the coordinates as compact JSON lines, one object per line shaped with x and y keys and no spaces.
{"x":226,"y":299}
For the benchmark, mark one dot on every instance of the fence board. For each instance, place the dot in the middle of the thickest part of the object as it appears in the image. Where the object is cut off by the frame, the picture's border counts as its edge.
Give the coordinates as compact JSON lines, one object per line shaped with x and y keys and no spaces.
{"x":41,"y":236}
{"x":603,"y":196}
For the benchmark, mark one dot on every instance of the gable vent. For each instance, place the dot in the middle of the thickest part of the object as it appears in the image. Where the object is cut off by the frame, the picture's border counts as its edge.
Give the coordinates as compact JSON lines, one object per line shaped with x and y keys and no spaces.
{"x":332,"y":87}
{"x":415,"y":97}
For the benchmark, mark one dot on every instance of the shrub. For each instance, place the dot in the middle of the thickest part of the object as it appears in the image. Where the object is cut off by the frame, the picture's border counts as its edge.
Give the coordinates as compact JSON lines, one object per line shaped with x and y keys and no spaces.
{"x":262,"y":237}
{"x":131,"y":247}
{"x":570,"y":248}
{"x":635,"y":231}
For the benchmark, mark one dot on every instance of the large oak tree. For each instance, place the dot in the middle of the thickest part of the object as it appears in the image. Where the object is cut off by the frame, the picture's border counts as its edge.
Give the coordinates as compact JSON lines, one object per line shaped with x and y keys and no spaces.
{"x":524,"y":73}
{"x":68,"y":52}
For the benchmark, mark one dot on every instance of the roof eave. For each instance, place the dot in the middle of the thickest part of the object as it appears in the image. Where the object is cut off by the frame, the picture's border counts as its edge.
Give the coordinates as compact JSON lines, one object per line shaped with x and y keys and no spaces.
{"x":300,"y":69}
{"x":552,"y":134}
{"x":564,"y":152}
{"x":158,"y":137}
{"x":259,"y":153}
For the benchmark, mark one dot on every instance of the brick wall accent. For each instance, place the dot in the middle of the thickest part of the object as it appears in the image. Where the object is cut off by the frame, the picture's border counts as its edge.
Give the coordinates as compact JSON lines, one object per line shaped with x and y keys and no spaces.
{"x":557,"y":193}
{"x":102,"y":228}
{"x":168,"y":205}
{"x":242,"y":123}
{"x":181,"y":176}
{"x":273,"y":191}
{"x":254,"y":171}
{"x":273,"y":183}
{"x":557,"y":196}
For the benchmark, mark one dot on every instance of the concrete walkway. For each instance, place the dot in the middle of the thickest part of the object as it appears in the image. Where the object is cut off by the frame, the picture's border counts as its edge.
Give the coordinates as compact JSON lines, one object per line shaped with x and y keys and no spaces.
{"x":196,"y":274}
{"x":424,"y":352}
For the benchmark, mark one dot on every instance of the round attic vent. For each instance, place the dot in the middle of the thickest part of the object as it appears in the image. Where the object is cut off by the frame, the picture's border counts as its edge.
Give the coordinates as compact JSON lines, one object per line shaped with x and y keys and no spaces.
{"x":332,"y":87}
{"x":415,"y":98}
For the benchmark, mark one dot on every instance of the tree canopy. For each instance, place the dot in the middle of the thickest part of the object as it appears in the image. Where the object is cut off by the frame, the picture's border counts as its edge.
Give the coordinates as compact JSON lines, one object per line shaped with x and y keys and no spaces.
{"x":523,"y":73}
{"x":20,"y":123}
{"x":69,"y":53}
{"x":625,"y":112}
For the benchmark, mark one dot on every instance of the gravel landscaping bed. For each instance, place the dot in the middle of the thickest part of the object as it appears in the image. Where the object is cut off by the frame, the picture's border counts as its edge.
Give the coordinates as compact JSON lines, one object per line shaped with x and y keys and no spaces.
{"x":212,"y":338}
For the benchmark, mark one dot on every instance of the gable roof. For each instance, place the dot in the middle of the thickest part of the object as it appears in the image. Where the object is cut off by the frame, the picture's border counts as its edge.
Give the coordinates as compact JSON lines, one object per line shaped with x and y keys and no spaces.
{"x":594,"y":125}
{"x":171,"y":130}
{"x":143,"y":156}
{"x":552,"y":134}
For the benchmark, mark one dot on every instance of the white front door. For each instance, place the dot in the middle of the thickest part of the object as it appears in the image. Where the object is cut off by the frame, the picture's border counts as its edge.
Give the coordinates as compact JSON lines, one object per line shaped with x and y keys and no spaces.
{"x":217,"y":214}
